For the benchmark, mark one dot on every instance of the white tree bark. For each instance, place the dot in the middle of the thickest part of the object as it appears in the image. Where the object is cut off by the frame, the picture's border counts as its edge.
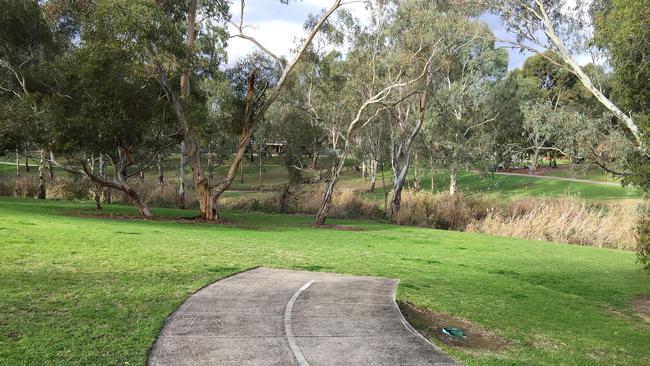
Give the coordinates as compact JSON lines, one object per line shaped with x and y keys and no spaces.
{"x":453,"y":183}
{"x":41,"y":176}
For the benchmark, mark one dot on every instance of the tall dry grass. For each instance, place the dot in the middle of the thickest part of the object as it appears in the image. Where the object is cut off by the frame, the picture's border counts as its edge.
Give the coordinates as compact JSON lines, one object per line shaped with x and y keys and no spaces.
{"x":441,"y":211}
{"x":563,"y":220}
{"x":306,"y":199}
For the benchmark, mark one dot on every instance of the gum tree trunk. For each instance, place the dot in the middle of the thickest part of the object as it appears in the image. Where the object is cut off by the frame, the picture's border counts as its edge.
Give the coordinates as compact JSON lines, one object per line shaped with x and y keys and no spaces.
{"x":50,"y":168}
{"x":137,"y":201}
{"x":26,"y":161}
{"x":453,"y":184}
{"x":41,"y":176}
{"x":401,"y":156}
{"x":161,"y":172}
{"x":326,"y":204}
{"x":181,"y":179}
{"x":373,"y":175}
{"x":416,"y":175}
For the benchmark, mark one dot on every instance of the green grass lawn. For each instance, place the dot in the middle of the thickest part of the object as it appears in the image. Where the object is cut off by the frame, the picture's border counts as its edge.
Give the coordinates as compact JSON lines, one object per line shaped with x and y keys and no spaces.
{"x":79,"y":291}
{"x":507,"y":187}
{"x":592,"y":173}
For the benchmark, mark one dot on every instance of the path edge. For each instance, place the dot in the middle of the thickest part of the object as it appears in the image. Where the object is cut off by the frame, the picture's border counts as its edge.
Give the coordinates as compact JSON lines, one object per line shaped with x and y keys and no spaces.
{"x":155,"y":343}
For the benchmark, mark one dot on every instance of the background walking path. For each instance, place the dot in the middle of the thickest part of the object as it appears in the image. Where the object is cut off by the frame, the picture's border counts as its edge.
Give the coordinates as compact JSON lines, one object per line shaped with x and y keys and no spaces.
{"x":281,"y":317}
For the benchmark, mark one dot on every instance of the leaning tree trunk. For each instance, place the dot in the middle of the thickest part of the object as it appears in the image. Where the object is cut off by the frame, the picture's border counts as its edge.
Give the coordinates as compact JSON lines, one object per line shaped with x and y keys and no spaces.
{"x":181,"y":179}
{"x":535,"y":161}
{"x":41,"y":176}
{"x":98,"y":197}
{"x":161,"y":172}
{"x":453,"y":184}
{"x":326,"y":204}
{"x":399,"y":177}
{"x":137,"y":201}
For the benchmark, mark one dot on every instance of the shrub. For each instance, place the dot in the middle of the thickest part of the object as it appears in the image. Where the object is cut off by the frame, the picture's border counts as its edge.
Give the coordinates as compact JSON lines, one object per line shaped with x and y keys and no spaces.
{"x":6,"y":188}
{"x":643,"y":242}
{"x":70,"y":189}
{"x":25,"y":187}
{"x":164,"y":195}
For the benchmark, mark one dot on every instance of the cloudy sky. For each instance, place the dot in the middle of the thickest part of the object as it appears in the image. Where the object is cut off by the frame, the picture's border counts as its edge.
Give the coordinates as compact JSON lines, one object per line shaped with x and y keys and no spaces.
{"x":277,"y":26}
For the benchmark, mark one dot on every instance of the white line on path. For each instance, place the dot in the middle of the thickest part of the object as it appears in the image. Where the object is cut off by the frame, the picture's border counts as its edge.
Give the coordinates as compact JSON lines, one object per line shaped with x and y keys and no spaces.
{"x":289,"y":328}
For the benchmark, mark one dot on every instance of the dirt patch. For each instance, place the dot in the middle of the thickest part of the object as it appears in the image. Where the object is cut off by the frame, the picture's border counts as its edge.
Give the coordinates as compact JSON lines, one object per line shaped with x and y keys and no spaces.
{"x":430,"y":325}
{"x":642,"y":306}
{"x":340,"y":227}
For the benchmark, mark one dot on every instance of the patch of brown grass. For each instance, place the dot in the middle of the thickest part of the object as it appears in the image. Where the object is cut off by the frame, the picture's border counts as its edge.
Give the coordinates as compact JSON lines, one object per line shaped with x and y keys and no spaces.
{"x":563,"y":220}
{"x":440,"y":211}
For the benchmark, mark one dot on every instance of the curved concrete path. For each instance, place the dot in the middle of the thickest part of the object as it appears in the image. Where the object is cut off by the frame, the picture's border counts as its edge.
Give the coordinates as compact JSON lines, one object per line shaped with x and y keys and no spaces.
{"x":280,"y":317}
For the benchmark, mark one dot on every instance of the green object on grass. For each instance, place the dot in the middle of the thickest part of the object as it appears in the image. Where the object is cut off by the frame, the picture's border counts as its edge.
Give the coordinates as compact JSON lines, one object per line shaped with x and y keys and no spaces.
{"x":454,"y":332}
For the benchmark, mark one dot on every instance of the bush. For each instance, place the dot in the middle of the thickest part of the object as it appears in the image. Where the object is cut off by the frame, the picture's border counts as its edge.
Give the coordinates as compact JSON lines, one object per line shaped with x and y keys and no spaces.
{"x":160,"y":196}
{"x":25,"y":187}
{"x":643,"y":242}
{"x":70,"y":189}
{"x":6,"y":188}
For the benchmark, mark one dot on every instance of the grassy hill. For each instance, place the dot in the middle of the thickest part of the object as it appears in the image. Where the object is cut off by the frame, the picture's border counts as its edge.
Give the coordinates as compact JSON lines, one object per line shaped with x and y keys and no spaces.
{"x":81,"y":290}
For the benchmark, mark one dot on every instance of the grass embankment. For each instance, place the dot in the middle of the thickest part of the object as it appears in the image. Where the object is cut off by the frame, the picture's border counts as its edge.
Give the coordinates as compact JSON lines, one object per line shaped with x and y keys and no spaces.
{"x":81,"y":291}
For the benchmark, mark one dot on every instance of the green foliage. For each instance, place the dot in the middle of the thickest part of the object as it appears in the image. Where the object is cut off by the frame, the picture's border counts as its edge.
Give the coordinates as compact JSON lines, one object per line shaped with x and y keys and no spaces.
{"x":643,"y":240}
{"x":459,"y":134}
{"x":623,"y":28}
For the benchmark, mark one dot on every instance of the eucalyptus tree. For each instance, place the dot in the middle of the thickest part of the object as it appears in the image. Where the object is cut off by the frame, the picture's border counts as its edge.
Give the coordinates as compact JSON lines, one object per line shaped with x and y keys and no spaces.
{"x":375,"y":83}
{"x":27,"y":44}
{"x":254,"y":103}
{"x":461,"y":113}
{"x":564,"y":27}
{"x":374,"y":137}
{"x":322,"y":82}
{"x":109,"y":105}
{"x":418,"y":25}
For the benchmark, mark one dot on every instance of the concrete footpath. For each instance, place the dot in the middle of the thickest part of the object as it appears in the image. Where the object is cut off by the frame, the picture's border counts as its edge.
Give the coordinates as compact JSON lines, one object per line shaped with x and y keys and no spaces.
{"x":280,"y":317}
